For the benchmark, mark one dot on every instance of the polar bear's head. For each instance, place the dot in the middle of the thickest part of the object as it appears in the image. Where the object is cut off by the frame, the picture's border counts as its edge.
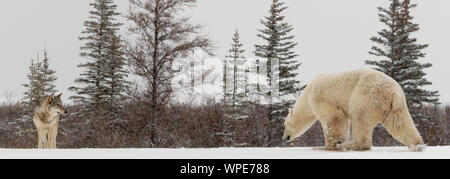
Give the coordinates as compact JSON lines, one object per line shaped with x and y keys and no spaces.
{"x":290,"y":127}
{"x":296,"y":123}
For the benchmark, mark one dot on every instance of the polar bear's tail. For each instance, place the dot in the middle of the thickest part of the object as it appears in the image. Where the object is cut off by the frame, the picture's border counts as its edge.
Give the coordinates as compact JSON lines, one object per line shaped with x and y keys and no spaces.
{"x":398,"y":101}
{"x":398,"y":110}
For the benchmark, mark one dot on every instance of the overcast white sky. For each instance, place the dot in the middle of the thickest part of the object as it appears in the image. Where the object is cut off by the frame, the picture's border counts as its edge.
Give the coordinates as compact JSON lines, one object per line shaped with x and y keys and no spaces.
{"x":332,"y":35}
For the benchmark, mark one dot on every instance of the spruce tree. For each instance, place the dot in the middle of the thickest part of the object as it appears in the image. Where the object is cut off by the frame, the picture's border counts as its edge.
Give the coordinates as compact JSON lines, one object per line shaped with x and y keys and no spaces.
{"x":279,"y":49}
{"x":400,"y":53}
{"x":225,"y":81}
{"x":246,"y":81}
{"x":41,"y":83}
{"x":102,"y":81}
{"x":236,"y":61}
{"x":48,"y":76}
{"x":116,"y":84}
{"x":254,"y":81}
{"x":258,"y":70}
{"x":33,"y":93}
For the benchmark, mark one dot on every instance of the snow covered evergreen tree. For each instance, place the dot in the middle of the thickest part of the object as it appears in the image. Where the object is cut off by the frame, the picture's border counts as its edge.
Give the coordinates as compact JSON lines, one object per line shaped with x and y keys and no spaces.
{"x":235,"y":78}
{"x":400,"y":53}
{"x":41,"y":83}
{"x":282,"y":65}
{"x":258,"y":72}
{"x":116,"y":84}
{"x":254,"y":81}
{"x":225,"y":81}
{"x":102,"y":83}
{"x":48,"y":76}
{"x":246,"y":80}
{"x":33,"y":92}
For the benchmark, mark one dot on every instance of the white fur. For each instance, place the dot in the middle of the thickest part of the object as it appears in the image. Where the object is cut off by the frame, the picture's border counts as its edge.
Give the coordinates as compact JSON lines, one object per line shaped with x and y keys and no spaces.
{"x":359,"y":100}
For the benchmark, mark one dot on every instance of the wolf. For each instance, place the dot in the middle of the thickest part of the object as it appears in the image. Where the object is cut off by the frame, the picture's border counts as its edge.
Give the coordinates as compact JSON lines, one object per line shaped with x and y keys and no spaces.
{"x":46,"y":119}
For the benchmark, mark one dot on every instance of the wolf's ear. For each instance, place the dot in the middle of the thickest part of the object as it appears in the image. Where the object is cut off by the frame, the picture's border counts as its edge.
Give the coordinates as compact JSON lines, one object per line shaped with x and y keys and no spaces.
{"x":49,"y":99}
{"x":59,"y":96}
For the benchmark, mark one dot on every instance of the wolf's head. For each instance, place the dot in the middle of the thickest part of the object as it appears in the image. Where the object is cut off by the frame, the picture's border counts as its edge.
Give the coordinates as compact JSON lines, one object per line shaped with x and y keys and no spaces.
{"x":55,"y":105}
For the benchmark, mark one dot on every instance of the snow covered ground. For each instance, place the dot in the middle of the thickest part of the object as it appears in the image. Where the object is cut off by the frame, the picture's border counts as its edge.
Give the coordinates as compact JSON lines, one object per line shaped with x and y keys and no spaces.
{"x":229,"y":153}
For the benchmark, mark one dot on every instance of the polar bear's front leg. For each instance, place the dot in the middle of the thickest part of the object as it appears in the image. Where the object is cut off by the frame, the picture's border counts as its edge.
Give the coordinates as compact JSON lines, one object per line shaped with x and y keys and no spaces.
{"x":336,"y":132}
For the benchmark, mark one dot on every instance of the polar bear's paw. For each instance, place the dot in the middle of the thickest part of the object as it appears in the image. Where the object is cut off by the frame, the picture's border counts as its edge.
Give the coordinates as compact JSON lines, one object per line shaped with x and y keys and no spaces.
{"x":351,"y":146}
{"x":417,"y":148}
{"x":335,"y":145}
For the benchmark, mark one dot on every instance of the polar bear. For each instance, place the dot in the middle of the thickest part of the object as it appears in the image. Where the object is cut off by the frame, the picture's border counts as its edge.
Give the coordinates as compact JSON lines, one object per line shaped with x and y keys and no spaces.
{"x":359,"y":100}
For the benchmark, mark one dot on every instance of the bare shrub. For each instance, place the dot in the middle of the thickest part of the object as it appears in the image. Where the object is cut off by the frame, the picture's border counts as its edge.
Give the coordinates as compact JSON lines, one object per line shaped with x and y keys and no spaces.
{"x":191,"y":127}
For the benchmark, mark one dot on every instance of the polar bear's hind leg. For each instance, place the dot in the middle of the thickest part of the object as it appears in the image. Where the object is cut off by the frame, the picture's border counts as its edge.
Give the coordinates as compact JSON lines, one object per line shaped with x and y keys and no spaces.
{"x":362,"y":130}
{"x":401,"y":126}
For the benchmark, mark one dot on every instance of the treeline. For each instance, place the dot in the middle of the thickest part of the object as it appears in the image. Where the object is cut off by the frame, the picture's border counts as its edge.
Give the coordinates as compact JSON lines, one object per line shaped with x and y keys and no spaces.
{"x":196,"y":127}
{"x":111,"y":111}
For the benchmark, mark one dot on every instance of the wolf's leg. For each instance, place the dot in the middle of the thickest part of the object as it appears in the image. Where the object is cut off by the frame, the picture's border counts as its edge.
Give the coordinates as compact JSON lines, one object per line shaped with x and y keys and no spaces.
{"x":336,"y":132}
{"x":49,"y":137}
{"x":52,"y":137}
{"x":40,"y":138}
{"x":45,"y":138}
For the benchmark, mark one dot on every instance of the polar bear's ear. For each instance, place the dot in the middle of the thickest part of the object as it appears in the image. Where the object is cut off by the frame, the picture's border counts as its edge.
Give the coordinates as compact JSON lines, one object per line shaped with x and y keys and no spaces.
{"x":291,"y":114}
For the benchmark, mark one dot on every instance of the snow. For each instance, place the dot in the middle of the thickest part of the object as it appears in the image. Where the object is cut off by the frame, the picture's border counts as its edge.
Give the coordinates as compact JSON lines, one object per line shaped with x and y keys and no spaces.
{"x":229,"y":153}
